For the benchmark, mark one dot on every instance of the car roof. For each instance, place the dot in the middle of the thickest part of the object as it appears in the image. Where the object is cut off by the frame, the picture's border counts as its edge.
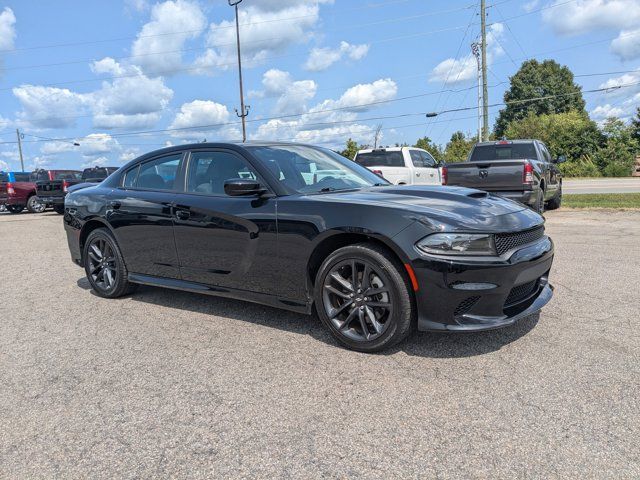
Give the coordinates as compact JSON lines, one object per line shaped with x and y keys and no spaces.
{"x":499,"y":142}
{"x":388,"y":149}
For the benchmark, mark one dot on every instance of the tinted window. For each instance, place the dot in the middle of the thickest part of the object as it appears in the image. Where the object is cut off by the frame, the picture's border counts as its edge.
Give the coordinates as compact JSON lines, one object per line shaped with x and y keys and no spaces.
{"x":310,"y":169}
{"x":68,"y":176}
{"x":130,"y":177}
{"x":208,"y":171}
{"x":159,"y":174}
{"x":428,"y":160}
{"x":380,"y":159}
{"x":22,"y":177}
{"x":39,"y":176}
{"x":416,"y":158}
{"x":545,"y":153}
{"x":514,"y":151}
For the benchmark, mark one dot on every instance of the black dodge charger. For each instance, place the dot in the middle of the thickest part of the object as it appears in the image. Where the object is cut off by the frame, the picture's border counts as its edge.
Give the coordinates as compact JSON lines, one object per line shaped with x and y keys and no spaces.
{"x":296,"y":226}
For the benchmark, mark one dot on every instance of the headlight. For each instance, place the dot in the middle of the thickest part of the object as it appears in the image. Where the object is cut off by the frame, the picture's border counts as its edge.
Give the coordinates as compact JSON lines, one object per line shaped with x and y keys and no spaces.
{"x":457,"y":244}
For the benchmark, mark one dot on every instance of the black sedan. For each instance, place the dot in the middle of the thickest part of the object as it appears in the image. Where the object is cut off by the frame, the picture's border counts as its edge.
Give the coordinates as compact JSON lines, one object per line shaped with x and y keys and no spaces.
{"x":296,"y":226}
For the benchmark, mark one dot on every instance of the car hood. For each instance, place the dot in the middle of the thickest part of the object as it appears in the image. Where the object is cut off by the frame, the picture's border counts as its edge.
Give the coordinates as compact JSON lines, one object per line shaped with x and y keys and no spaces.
{"x":439,"y":207}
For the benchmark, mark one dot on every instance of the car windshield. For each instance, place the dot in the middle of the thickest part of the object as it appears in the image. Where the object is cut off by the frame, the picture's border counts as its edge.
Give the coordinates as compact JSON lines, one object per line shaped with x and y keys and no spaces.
{"x":95,"y":174}
{"x":307,"y":169}
{"x":381,"y":158}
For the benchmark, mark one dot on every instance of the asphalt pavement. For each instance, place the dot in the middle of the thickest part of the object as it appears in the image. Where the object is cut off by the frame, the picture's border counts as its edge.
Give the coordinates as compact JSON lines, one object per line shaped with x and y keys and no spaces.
{"x":172,"y":384}
{"x":601,"y":185}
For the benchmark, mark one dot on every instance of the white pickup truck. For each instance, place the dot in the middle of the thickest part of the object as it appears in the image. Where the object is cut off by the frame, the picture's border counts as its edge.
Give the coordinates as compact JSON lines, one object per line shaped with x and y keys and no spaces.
{"x":401,"y":165}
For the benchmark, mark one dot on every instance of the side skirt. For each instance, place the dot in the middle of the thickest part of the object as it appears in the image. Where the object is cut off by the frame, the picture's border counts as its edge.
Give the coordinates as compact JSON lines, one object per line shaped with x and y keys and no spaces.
{"x":261,"y":298}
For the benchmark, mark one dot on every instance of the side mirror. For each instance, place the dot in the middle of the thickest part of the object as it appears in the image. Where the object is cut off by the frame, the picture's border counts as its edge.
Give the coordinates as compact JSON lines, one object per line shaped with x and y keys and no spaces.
{"x":561,"y":159}
{"x":240,"y":187}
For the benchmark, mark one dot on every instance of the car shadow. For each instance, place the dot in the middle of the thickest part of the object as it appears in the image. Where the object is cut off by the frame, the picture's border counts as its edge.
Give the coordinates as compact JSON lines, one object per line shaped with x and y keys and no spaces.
{"x":420,"y":344}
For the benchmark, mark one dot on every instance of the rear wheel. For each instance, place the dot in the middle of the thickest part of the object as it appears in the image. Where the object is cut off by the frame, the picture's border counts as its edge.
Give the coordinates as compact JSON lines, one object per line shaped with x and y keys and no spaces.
{"x":58,"y":209}
{"x":34,"y":205}
{"x":363,"y":298}
{"x":556,"y":201}
{"x":539,"y":205}
{"x":104,"y":265}
{"x":15,"y":208}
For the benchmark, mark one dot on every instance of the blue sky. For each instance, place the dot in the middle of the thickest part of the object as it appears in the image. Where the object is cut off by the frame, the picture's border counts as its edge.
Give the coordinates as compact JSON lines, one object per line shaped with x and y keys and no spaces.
{"x":123,"y":78}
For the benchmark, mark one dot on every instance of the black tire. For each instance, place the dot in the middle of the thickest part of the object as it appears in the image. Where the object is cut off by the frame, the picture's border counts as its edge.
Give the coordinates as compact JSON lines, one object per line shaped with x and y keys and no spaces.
{"x":556,"y":201}
{"x":15,"y":208}
{"x":109,"y":279}
{"x":539,"y":205}
{"x":58,"y":209}
{"x":34,"y":205}
{"x":389,"y":325}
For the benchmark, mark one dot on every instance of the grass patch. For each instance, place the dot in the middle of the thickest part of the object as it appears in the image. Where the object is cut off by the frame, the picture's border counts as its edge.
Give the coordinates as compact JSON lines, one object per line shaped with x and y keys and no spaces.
{"x":602,"y":200}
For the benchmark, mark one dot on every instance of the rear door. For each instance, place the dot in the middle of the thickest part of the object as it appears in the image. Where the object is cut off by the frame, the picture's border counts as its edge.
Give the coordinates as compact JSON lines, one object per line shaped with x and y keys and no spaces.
{"x":429,"y":172}
{"x":141,"y":213}
{"x":552,"y":173}
{"x":221,"y":240}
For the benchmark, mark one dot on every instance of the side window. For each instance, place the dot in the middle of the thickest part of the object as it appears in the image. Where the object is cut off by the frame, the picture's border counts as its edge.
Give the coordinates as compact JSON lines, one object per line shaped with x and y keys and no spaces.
{"x":545,"y":153}
{"x":416,"y":158}
{"x":428,"y":160}
{"x":208,"y":171}
{"x":130,"y":177}
{"x":159,"y":174}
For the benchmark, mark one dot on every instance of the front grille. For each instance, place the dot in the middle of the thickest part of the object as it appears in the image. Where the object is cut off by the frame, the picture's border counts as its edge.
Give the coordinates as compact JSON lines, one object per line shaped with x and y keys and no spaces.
{"x":509,"y":241}
{"x":521,"y":292}
{"x":465,"y":305}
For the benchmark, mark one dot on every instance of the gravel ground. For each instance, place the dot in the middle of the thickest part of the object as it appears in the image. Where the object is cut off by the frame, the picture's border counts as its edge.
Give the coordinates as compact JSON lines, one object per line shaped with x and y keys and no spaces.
{"x":172,"y":384}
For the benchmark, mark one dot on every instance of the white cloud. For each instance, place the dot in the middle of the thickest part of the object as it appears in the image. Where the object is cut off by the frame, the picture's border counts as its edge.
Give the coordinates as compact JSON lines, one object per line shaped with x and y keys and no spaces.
{"x":465,"y":68}
{"x":130,"y":101}
{"x":322,"y":58}
{"x":4,"y":165}
{"x":7,"y":29}
{"x":137,"y":5}
{"x":158,"y":35}
{"x":627,"y":45}
{"x":292,"y":95}
{"x":531,"y":6}
{"x":203,"y":112}
{"x":49,"y":107}
{"x":4,"y":123}
{"x":267,"y":28}
{"x":97,"y":162}
{"x":129,"y":154}
{"x":316,"y":126}
{"x":619,"y":102}
{"x":582,"y":16}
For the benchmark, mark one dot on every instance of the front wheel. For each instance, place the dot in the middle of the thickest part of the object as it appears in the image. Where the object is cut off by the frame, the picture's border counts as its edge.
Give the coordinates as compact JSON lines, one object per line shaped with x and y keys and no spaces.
{"x":104,"y":265}
{"x":15,"y":208}
{"x":363,"y":298}
{"x":34,"y":205}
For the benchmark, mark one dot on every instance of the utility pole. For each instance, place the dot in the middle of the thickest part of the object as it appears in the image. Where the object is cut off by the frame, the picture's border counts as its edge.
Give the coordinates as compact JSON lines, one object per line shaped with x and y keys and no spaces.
{"x":475,"y":48}
{"x":376,"y":138}
{"x":485,"y":90}
{"x":243,"y":111}
{"x":20,"y":150}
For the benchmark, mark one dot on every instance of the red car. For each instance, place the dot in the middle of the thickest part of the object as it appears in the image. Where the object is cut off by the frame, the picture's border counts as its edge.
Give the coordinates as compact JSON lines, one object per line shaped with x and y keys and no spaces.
{"x":17,"y":191}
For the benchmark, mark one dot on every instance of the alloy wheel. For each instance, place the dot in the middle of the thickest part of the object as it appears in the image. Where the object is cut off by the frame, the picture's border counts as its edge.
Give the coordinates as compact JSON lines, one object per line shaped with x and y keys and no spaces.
{"x":102,"y":264}
{"x":357,"y":300}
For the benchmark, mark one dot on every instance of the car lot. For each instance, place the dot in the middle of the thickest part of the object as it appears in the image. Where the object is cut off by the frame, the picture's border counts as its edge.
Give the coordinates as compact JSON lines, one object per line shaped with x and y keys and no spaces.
{"x":169,"y":383}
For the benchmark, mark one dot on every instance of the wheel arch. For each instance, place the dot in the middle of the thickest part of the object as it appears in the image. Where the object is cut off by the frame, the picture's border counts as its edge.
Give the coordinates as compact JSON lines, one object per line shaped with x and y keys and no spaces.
{"x":90,"y":226}
{"x":339,"y":240}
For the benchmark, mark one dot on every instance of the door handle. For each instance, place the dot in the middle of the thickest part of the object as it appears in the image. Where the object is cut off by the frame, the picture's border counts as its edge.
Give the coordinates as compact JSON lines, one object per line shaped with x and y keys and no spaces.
{"x":115,"y":204}
{"x":182,"y":215}
{"x":417,"y":174}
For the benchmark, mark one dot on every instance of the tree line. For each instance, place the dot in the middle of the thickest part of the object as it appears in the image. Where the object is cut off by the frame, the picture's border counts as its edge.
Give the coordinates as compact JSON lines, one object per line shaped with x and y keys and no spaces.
{"x":559,"y":119}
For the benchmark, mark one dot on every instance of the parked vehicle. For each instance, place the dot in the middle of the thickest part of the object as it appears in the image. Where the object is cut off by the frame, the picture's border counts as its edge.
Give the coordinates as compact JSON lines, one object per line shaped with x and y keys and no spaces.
{"x":521,"y":170}
{"x":242,"y":221}
{"x":401,"y":165}
{"x":18,"y":191}
{"x":52,"y":185}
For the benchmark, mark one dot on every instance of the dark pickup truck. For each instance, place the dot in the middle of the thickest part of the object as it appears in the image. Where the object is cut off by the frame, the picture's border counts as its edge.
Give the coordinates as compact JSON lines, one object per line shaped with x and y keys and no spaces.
{"x":52,"y":190}
{"x":521,"y":170}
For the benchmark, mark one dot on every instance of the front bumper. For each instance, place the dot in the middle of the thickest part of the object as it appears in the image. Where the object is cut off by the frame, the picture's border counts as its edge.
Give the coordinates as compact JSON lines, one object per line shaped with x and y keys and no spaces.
{"x":50,"y":201}
{"x":465,"y":295}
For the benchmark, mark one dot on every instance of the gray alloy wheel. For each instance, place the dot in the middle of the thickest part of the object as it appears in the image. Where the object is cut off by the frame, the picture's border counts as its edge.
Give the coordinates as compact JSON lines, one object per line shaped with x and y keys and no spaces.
{"x":104,"y":265}
{"x":34,"y":205}
{"x":539,"y":207}
{"x":363,"y":297}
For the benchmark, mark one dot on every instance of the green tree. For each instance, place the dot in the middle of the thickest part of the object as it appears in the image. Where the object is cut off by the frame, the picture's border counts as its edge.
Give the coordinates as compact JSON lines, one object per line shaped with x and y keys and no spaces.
{"x":458,"y":148}
{"x":533,"y":80}
{"x":571,"y":134}
{"x":635,"y":125}
{"x":425,"y":143}
{"x":350,"y":150}
{"x":616,"y":158}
